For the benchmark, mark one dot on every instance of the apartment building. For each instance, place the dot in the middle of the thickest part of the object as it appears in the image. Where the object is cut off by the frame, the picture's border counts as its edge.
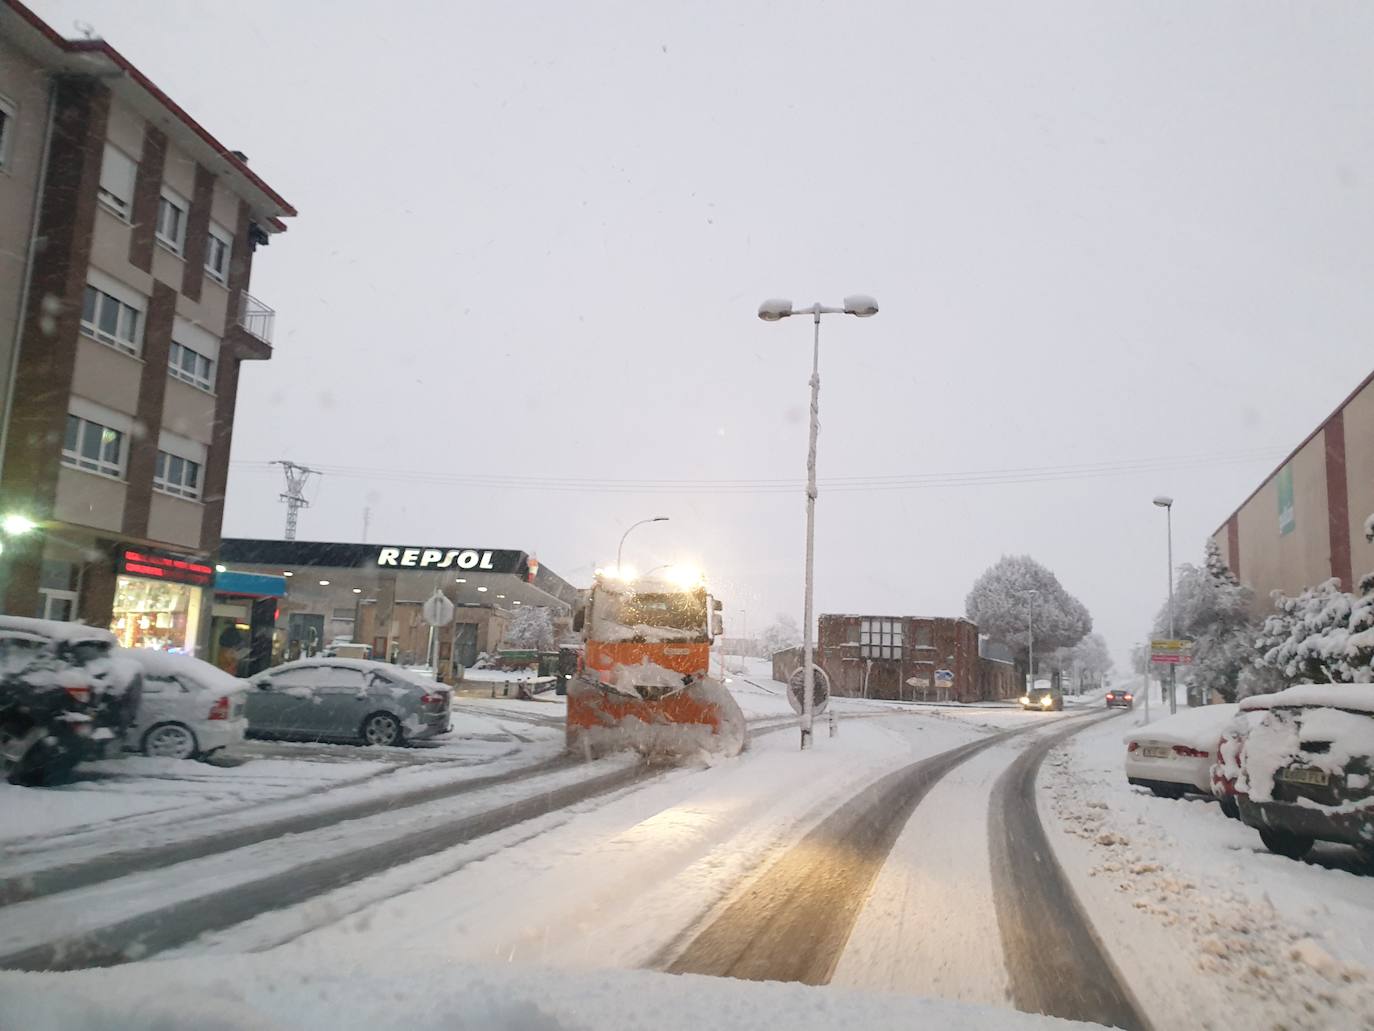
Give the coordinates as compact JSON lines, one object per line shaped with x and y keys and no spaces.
{"x":125,"y":315}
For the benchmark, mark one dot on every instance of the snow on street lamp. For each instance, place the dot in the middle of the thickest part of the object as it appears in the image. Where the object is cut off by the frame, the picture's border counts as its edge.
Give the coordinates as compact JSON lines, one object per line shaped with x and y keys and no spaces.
{"x":620,"y":550}
{"x":1167,"y":504}
{"x":774,"y":310}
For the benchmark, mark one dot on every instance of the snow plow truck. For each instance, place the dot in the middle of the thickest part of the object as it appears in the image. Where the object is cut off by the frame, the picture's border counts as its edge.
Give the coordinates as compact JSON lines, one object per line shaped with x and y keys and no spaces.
{"x":645,"y":681}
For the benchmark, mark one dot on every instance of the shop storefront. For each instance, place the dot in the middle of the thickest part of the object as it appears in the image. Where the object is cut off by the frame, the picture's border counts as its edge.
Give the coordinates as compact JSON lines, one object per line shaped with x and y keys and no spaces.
{"x":158,"y":600}
{"x":244,"y":639}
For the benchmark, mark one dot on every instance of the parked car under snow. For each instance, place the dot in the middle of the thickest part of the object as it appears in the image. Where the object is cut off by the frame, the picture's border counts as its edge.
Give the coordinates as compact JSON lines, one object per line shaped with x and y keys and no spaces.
{"x":346,"y":700}
{"x":1174,"y":756}
{"x":1307,"y":768}
{"x":189,"y":709}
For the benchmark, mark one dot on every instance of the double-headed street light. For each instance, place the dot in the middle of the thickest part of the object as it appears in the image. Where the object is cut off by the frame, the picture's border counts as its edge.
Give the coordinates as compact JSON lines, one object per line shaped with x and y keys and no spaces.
{"x":771,"y":311}
{"x":1167,"y":504}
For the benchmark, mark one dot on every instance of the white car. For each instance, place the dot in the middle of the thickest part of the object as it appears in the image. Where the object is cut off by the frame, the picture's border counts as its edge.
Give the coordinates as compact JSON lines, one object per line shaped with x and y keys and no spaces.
{"x":1174,"y":756}
{"x":189,"y":708}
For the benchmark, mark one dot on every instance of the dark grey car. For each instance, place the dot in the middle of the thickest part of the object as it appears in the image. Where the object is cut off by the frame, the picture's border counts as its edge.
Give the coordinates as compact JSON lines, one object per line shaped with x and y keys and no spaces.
{"x":346,"y":700}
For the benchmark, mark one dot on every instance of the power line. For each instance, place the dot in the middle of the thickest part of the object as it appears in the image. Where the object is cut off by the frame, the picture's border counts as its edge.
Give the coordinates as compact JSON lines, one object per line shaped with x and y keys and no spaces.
{"x":907,"y":481}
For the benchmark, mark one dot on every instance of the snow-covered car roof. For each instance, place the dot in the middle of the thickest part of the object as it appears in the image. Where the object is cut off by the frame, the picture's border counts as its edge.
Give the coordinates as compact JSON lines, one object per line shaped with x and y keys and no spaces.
{"x":1197,"y":728}
{"x":54,"y":630}
{"x":385,"y":669}
{"x":198,"y":671}
{"x":1356,"y":697}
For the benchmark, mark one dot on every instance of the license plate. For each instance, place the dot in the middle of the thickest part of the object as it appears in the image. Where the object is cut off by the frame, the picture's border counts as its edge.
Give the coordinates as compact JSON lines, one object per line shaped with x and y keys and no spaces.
{"x":1154,"y":753}
{"x":1302,"y":775}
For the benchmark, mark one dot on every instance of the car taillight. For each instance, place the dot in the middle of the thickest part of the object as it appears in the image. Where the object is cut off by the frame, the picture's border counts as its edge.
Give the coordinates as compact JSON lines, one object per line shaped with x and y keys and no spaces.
{"x":80,"y":694}
{"x":1191,"y":753}
{"x":1129,"y":697}
{"x":220,"y":710}
{"x":1132,"y":746}
{"x":431,"y":698}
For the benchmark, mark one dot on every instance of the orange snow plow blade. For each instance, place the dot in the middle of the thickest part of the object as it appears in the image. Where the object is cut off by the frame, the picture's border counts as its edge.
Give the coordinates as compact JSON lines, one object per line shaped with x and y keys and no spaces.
{"x":697,"y":719}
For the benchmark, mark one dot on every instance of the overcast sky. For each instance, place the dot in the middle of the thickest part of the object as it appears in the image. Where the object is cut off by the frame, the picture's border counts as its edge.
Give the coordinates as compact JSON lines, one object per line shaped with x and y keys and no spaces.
{"x":533,"y":237}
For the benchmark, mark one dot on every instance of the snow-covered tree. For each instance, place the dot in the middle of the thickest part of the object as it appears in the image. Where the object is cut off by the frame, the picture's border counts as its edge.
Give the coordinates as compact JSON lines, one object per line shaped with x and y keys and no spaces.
{"x":782,"y":635}
{"x":1091,"y":659}
{"x":530,"y":629}
{"x":1324,"y":635}
{"x":1212,"y":608}
{"x":1001,"y":604}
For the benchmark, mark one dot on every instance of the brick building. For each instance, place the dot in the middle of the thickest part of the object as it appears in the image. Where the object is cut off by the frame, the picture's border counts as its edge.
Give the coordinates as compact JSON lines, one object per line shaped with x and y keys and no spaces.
{"x":128,"y":240}
{"x":897,"y":657}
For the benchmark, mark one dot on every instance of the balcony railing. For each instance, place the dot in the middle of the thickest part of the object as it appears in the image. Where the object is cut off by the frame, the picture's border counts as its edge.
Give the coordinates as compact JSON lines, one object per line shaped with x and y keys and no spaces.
{"x":256,"y":317}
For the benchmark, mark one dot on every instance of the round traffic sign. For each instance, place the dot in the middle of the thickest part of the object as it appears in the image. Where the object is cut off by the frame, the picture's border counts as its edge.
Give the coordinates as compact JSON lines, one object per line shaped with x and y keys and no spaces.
{"x":820,"y":689}
{"x":438,"y":610}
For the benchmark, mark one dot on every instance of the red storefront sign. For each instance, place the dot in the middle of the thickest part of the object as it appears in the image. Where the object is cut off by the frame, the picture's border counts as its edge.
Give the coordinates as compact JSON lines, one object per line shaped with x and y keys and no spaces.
{"x":152,"y":566}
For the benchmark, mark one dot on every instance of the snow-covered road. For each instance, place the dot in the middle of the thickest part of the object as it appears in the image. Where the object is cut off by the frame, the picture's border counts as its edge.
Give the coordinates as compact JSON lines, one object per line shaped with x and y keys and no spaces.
{"x":904,"y":857}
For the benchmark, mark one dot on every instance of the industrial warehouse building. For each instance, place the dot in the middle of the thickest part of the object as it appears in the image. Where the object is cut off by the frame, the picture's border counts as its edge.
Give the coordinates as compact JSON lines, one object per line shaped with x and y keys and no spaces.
{"x":906,"y":657}
{"x":1306,"y":522}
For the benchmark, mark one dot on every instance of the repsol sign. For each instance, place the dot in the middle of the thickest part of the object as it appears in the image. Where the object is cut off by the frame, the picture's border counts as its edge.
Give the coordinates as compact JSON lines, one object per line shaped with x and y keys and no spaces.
{"x":436,"y":558}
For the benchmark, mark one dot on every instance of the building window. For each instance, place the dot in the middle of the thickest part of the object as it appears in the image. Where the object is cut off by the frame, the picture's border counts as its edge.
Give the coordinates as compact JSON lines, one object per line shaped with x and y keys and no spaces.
{"x":112,"y":321}
{"x":176,"y":475}
{"x":6,"y":130}
{"x":880,"y":639}
{"x":117,"y":174}
{"x":94,"y":447}
{"x":191,"y":366}
{"x":924,"y":636}
{"x":218,"y":247}
{"x":171,"y":220}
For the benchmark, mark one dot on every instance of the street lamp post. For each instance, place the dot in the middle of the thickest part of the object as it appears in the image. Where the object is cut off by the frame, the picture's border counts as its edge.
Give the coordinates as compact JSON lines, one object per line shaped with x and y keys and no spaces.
{"x":1030,"y":630}
{"x":621,"y":548}
{"x":1167,"y":504}
{"x":771,"y":311}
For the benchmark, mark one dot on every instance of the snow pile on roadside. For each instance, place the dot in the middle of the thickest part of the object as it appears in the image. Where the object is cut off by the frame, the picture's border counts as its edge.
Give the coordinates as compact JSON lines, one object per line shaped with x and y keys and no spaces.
{"x":1176,"y":889}
{"x":416,"y":992}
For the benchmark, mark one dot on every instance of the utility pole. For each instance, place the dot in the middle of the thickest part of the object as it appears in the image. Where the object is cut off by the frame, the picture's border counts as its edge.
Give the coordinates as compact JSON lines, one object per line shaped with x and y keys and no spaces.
{"x":294,"y":496}
{"x":367,"y":518}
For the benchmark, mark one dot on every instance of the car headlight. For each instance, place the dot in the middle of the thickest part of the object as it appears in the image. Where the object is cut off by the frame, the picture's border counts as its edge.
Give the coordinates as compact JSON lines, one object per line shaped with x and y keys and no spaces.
{"x":1047,"y":700}
{"x":1025,"y":699}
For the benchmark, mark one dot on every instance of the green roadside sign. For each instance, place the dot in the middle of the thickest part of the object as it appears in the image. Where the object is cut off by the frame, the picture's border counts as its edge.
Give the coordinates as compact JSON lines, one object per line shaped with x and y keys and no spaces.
{"x":1287,"y":515}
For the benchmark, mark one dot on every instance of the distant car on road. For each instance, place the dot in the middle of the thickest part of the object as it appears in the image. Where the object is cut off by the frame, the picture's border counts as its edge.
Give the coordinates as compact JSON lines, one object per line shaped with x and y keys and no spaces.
{"x":1307,"y":768}
{"x":1173,"y":756}
{"x":1043,"y":699}
{"x":1117,"y":699}
{"x":190,"y":708}
{"x":346,"y":700}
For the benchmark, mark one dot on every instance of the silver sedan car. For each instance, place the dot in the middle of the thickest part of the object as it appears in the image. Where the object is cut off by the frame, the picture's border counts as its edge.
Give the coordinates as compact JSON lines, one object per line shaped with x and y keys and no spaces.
{"x":346,"y":700}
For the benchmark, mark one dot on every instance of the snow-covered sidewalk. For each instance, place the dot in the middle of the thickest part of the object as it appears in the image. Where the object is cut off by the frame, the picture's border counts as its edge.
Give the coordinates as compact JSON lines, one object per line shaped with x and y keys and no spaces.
{"x":1181,"y":895}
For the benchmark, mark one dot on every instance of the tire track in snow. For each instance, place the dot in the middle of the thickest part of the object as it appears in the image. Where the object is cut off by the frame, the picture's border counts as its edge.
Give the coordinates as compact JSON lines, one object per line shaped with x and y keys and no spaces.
{"x":56,"y":879}
{"x":154,"y":930}
{"x":1055,"y":962}
{"x":792,"y":922}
